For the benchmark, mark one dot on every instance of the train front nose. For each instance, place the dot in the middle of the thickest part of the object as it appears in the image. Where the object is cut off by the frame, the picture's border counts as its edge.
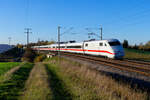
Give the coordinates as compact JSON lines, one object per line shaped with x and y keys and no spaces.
{"x":119,"y":54}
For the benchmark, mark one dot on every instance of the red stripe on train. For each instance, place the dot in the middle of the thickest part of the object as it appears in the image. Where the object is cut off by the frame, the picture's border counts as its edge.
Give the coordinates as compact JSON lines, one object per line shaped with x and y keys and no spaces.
{"x":104,"y":51}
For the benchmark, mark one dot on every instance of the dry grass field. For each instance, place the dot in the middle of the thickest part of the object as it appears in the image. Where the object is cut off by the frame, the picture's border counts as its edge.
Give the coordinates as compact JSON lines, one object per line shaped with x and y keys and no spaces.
{"x":81,"y":83}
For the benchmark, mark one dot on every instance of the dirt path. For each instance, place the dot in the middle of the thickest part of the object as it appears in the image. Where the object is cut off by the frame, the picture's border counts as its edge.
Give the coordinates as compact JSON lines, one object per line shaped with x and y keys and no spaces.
{"x":8,"y":74}
{"x":37,"y":86}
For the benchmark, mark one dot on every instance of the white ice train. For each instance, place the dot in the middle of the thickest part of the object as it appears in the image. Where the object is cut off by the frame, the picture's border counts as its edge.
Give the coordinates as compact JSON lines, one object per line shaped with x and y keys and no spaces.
{"x":110,"y":48}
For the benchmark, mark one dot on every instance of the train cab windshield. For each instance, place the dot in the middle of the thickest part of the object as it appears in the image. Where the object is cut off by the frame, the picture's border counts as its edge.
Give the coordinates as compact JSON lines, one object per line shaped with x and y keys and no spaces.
{"x":116,"y":43}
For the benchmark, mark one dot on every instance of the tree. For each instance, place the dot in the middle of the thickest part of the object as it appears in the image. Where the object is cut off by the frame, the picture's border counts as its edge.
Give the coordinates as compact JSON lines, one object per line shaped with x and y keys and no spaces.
{"x":147,"y":46}
{"x":135,"y":47}
{"x":29,"y":55}
{"x":125,"y":44}
{"x":19,"y":45}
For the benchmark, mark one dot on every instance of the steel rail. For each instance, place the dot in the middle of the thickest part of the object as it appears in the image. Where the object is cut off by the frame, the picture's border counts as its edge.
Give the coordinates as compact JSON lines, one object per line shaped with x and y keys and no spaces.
{"x":107,"y":62}
{"x":139,"y":62}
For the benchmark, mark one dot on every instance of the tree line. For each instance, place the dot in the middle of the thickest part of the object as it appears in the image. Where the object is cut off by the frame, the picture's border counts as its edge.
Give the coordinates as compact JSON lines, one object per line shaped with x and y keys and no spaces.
{"x":36,"y":44}
{"x":141,"y":46}
{"x":29,"y":54}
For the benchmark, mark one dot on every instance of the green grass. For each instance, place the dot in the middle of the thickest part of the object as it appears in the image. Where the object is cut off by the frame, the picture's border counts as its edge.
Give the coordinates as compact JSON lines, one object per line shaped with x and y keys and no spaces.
{"x":11,"y":89}
{"x":137,"y":51}
{"x":57,"y":83}
{"x":137,"y":54}
{"x":37,"y":85}
{"x":5,"y":66}
{"x":67,"y":85}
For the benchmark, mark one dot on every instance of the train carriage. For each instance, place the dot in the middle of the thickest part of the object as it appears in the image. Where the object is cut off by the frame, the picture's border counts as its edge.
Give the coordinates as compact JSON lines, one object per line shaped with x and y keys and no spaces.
{"x":111,"y":48}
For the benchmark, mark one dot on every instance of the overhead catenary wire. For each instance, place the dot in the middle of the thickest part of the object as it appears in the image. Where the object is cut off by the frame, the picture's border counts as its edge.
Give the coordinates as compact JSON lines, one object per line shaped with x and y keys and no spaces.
{"x":9,"y":38}
{"x":125,"y":18}
{"x":28,"y":32}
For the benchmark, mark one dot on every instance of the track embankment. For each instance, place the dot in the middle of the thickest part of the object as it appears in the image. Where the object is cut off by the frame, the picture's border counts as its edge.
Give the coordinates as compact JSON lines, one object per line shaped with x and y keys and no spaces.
{"x":130,"y":66}
{"x":75,"y":81}
{"x":128,"y":77}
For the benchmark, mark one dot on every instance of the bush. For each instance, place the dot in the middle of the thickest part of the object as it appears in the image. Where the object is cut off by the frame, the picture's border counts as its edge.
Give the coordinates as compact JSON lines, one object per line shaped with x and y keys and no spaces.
{"x":125,"y":44}
{"x":29,"y":55}
{"x":39,"y":58}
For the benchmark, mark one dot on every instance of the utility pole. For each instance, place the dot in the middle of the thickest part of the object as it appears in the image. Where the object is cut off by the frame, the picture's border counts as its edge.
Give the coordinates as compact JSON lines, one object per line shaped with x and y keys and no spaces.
{"x":59,"y":41}
{"x":101,"y":33}
{"x":28,"y":32}
{"x":9,"y":38}
{"x":38,"y":39}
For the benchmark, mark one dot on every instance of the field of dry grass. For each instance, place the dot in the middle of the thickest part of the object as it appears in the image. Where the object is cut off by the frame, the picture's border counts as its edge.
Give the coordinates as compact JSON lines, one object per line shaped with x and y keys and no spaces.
{"x":87,"y":84}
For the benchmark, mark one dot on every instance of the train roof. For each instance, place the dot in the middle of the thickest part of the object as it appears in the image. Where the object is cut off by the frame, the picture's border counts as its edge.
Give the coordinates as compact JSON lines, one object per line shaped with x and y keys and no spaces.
{"x":111,"y":39}
{"x":80,"y":43}
{"x":108,"y":40}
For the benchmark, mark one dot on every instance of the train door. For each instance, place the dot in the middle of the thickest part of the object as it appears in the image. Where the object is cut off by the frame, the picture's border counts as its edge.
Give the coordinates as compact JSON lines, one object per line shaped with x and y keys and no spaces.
{"x":86,"y":47}
{"x":100,"y":47}
{"x":83,"y":48}
{"x":103,"y":48}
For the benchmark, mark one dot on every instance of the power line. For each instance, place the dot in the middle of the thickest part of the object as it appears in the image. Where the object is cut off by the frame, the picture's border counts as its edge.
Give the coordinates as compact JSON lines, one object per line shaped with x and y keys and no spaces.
{"x":137,"y":12}
{"x":92,"y":33}
{"x":67,"y":31}
{"x":58,"y":30}
{"x":101,"y":32}
{"x":59,"y":35}
{"x":28,"y":32}
{"x":130,"y":18}
{"x":27,"y":12}
{"x":9,"y":38}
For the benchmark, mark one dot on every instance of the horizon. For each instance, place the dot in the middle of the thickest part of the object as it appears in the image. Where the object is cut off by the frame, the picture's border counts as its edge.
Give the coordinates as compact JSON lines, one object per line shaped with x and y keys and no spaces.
{"x":123,"y":20}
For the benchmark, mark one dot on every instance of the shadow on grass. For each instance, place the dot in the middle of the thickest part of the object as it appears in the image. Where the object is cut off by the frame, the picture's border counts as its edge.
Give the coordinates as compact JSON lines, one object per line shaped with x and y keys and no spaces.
{"x":59,"y":90}
{"x":11,"y":89}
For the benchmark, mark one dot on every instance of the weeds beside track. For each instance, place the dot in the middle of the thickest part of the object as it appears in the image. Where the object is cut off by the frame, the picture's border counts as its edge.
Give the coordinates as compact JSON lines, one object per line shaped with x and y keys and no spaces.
{"x":86,"y":84}
{"x":59,"y":89}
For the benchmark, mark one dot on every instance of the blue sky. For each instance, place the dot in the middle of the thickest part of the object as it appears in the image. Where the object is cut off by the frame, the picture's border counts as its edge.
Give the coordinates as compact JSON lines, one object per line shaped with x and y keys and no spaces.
{"x":121,"y":19}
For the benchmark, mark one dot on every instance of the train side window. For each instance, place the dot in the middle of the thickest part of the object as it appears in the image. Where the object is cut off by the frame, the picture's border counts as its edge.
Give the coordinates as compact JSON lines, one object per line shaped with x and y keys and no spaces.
{"x":100,"y":44}
{"x":86,"y":45}
{"x":62,"y":46}
{"x":116,"y":43}
{"x":105,"y":44}
{"x":73,"y":46}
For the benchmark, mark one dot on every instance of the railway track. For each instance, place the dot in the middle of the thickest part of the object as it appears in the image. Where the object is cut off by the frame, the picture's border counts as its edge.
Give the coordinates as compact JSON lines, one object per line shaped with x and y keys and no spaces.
{"x":139,"y":62}
{"x":125,"y":65}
